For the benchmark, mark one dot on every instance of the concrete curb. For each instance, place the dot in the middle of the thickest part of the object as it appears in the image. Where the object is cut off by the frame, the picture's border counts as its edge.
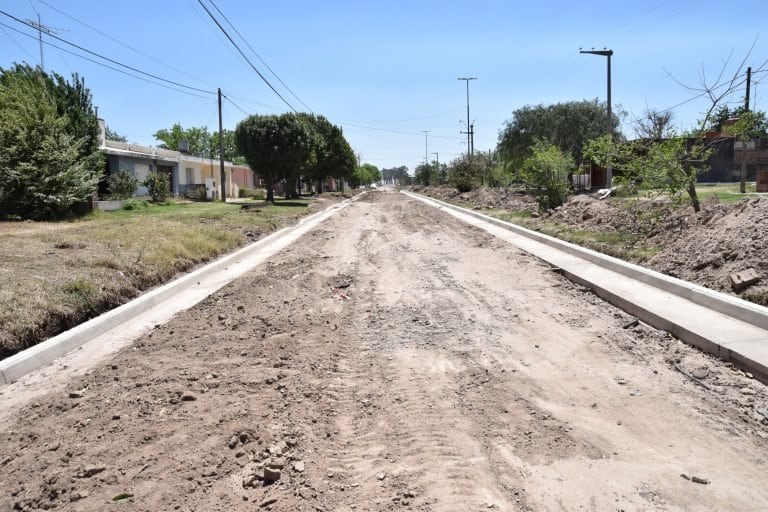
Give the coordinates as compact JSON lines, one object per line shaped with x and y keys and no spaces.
{"x":726,"y":326}
{"x":727,"y":304}
{"x":43,"y":353}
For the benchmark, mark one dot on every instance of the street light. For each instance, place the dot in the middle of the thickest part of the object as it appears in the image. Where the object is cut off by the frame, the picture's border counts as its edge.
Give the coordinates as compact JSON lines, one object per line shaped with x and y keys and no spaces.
{"x":609,"y":128}
{"x":469,"y":128}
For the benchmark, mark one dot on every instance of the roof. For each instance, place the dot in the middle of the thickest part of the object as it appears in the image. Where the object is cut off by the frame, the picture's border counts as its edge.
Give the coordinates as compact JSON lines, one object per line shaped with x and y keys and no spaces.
{"x":113,"y":147}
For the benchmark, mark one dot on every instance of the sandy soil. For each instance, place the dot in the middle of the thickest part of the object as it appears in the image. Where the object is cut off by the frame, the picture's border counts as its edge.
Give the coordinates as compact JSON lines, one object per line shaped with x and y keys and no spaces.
{"x":705,"y":248}
{"x":395,"y":360}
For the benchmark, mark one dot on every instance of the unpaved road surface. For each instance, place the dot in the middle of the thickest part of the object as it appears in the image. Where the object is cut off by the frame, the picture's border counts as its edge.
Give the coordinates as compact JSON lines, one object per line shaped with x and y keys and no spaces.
{"x":394,"y":359}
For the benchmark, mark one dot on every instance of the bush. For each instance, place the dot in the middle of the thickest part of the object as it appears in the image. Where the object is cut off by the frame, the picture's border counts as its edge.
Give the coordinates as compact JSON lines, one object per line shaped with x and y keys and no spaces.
{"x":466,"y":173}
{"x":545,"y":174}
{"x":253,"y":193}
{"x":135,"y":204}
{"x":159,"y":186}
{"x":49,"y":157}
{"x":122,"y":185}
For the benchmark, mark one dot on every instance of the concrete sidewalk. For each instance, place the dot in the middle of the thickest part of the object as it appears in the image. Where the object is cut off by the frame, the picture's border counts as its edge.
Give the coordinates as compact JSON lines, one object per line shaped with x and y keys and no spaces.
{"x":717,"y":323}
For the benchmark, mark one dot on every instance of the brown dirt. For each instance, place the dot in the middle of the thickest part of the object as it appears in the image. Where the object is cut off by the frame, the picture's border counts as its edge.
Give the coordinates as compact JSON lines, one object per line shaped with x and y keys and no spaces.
{"x":704,"y":248}
{"x":394,"y":359}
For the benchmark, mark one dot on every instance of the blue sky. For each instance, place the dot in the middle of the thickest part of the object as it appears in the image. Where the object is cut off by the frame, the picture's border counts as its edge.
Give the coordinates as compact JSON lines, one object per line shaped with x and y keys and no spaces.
{"x":386,"y":71}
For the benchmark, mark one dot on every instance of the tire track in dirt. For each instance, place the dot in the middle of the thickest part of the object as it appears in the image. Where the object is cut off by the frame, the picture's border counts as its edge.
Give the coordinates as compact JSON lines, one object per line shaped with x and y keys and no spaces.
{"x":394,"y":359}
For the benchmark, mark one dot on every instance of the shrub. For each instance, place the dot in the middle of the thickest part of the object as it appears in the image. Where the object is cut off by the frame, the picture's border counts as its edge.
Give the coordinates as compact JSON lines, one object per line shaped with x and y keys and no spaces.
{"x":159,"y":186}
{"x":545,"y":174}
{"x":466,"y":173}
{"x":253,"y":193}
{"x":135,"y":204}
{"x":122,"y":185}
{"x":49,"y":157}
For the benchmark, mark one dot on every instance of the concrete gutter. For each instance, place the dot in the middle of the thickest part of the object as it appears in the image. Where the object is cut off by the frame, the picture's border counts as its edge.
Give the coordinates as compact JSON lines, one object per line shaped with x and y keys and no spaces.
{"x":197,"y":285}
{"x":721,"y":324}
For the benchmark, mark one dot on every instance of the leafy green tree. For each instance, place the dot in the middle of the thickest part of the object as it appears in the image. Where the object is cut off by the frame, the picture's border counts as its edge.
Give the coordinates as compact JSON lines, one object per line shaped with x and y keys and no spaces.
{"x":276,"y":147}
{"x":748,"y":125}
{"x":109,"y":134}
{"x":670,"y":165}
{"x":365,"y":175}
{"x":545,"y":174}
{"x":425,"y":174}
{"x":398,"y":175}
{"x":198,"y":137}
{"x":567,"y":125}
{"x":332,"y":154}
{"x":467,"y":172}
{"x":49,"y":158}
{"x":230,"y":147}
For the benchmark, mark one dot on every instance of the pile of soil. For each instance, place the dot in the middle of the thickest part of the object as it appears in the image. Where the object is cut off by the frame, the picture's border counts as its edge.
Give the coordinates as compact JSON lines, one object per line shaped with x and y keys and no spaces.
{"x":492,"y":198}
{"x":705,"y":248}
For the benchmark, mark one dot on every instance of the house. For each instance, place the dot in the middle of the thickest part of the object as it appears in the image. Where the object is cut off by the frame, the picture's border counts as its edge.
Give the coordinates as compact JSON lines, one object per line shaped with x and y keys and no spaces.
{"x":189,"y":176}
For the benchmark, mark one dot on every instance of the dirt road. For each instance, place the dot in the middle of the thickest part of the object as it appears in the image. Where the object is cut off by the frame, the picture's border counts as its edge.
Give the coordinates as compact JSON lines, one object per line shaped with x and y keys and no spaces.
{"x":395,"y":360}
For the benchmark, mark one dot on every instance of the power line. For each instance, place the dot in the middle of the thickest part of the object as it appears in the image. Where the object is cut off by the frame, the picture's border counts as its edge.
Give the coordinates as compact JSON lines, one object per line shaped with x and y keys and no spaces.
{"x":241,"y":109}
{"x":400,"y":132}
{"x":244,"y":56}
{"x":123,"y":44}
{"x":105,"y":65}
{"x":258,"y":56}
{"x":17,"y":43}
{"x":111,"y":60}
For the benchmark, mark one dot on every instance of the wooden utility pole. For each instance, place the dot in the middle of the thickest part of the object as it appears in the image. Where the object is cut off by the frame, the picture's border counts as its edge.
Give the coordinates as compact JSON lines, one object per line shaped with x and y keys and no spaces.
{"x":744,"y":141}
{"x":222,"y":187}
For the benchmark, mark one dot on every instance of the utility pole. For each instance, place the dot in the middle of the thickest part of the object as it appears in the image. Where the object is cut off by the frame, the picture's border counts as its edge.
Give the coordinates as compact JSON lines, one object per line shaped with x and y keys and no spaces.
{"x":472,"y":139}
{"x":743,"y":174}
{"x":426,"y":146}
{"x":470,"y":149}
{"x":609,"y":122}
{"x":437,"y":171}
{"x":221,"y":156}
{"x":40,"y":29}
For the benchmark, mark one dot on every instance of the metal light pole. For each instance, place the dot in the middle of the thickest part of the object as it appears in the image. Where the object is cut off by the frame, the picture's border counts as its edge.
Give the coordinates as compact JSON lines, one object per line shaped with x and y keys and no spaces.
{"x":469,"y":127}
{"x":426,"y":146}
{"x":609,"y":128}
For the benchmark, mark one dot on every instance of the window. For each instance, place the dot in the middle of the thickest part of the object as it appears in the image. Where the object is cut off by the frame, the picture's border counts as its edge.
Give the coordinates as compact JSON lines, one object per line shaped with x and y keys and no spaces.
{"x":190,"y":175}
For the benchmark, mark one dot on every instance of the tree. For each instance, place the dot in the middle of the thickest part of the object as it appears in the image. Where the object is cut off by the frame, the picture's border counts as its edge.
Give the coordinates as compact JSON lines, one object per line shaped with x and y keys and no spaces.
{"x":198,"y":137}
{"x":739,"y":122}
{"x":670,"y":165}
{"x":112,"y":135}
{"x":332,"y":154}
{"x":466,"y":172}
{"x":49,"y":157}
{"x":545,"y":174}
{"x":396,"y":175}
{"x":365,"y":175}
{"x":276,"y":147}
{"x":654,"y":124}
{"x":425,"y":174}
{"x":567,"y":125}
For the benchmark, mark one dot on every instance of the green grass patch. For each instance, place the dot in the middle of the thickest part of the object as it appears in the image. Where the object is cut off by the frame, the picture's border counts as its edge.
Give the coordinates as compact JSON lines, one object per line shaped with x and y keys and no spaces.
{"x":724,"y":192}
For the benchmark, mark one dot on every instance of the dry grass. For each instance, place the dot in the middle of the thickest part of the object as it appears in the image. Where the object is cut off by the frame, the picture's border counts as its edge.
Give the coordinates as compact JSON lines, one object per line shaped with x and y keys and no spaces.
{"x":56,"y":275}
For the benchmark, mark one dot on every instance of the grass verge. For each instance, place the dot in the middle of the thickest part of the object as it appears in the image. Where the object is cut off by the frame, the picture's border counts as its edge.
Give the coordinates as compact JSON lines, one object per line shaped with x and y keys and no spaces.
{"x":57,"y":275}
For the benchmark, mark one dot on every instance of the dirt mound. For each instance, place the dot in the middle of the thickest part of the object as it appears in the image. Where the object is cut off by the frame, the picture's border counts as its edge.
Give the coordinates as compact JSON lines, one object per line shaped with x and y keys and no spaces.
{"x":492,"y":198}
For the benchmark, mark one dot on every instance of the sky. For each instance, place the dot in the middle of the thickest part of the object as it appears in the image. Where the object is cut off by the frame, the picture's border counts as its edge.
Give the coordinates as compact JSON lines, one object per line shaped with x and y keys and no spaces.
{"x":387,"y":71}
